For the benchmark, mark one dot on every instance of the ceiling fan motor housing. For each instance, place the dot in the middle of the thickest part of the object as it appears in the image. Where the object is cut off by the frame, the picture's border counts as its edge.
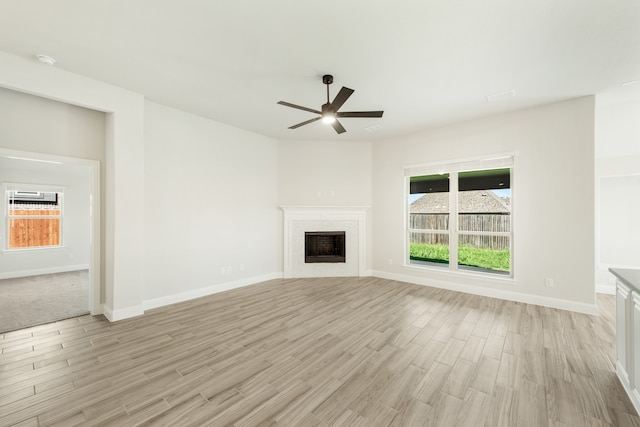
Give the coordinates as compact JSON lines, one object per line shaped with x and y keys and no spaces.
{"x":327,"y":79}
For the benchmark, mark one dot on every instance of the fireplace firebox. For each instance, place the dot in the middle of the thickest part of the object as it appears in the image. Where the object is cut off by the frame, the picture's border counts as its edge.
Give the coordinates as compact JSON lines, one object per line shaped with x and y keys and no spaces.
{"x":324,"y":246}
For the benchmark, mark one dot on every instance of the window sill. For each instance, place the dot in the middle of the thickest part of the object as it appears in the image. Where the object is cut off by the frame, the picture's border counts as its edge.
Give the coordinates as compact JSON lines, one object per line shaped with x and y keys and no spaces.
{"x":463,"y":271}
{"x":38,"y":249}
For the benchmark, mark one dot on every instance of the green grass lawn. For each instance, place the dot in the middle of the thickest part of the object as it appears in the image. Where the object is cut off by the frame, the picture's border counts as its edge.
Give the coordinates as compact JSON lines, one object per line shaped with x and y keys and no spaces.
{"x":473,"y":257}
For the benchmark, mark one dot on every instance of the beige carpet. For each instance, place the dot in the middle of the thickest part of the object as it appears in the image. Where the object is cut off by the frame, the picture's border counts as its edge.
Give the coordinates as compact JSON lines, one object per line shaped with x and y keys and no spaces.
{"x":30,"y":301}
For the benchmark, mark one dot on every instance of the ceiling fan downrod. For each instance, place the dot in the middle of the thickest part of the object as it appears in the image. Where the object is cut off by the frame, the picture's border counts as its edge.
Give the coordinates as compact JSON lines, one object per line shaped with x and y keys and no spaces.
{"x":327,"y":79}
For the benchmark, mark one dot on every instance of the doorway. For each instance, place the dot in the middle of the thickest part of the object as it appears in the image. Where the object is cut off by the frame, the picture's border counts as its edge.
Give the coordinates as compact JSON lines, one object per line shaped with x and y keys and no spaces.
{"x":60,"y":278}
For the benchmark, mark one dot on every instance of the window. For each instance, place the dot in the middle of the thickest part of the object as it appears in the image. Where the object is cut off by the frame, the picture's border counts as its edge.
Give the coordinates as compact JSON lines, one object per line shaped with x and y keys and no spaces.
{"x":33,"y":218}
{"x":429,"y":218}
{"x":460,"y":217}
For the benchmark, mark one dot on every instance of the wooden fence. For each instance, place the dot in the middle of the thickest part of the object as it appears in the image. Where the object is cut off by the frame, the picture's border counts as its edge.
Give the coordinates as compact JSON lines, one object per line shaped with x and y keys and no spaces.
{"x":34,"y":232}
{"x":466,"y":222}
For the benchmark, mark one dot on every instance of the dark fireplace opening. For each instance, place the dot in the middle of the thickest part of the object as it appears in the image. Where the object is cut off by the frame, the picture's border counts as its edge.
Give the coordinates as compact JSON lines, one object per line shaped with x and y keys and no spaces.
{"x":324,"y":246}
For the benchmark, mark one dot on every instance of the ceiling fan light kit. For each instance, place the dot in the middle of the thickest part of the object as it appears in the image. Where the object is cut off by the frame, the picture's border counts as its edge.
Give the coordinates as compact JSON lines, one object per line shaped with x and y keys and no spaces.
{"x":329,"y":112}
{"x":328,"y":118}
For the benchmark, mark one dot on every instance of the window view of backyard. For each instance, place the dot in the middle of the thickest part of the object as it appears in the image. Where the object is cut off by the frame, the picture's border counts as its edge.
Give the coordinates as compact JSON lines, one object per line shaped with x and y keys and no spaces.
{"x":482,"y":230}
{"x":429,"y":218}
{"x":34,"y":219}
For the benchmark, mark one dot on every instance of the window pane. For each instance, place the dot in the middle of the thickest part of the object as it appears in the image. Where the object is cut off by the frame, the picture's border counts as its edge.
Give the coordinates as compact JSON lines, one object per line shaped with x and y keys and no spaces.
{"x":484,"y":206}
{"x":491,"y":222}
{"x":34,"y":218}
{"x":45,"y":211}
{"x":484,"y":200}
{"x":426,"y":221}
{"x":34,"y":232}
{"x":484,"y":253}
{"x":438,"y":183}
{"x":429,"y":248}
{"x":429,"y":202}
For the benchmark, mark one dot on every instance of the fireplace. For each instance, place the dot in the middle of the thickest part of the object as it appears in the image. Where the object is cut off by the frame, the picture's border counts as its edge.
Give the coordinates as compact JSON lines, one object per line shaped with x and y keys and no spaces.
{"x":299,"y":220}
{"x":324,"y":247}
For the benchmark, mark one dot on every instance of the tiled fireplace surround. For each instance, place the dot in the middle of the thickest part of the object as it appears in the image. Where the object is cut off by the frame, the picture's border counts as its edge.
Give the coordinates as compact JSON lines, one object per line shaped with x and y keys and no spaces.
{"x":300,"y":219}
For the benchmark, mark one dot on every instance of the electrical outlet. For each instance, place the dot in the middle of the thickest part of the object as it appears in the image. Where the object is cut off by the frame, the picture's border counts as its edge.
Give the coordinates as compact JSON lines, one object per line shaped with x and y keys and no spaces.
{"x":549,"y":283}
{"x":390,"y":261}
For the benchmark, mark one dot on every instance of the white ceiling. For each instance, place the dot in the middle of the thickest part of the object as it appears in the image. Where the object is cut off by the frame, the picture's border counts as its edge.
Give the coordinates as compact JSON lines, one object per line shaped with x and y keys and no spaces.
{"x":424,"y":62}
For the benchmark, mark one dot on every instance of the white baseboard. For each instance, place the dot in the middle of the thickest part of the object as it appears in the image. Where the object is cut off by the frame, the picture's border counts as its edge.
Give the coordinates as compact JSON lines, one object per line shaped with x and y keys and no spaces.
{"x":493,"y":293}
{"x":122,"y":313}
{"x":115,"y":315}
{"x":605,"y":289}
{"x":201,"y":292}
{"x":108,"y":313}
{"x":39,"y":271}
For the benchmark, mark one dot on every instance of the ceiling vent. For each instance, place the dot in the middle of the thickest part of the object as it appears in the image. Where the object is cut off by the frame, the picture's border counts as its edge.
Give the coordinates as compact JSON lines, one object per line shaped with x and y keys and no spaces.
{"x":501,"y":96}
{"x":373,"y":128}
{"x":46,"y":59}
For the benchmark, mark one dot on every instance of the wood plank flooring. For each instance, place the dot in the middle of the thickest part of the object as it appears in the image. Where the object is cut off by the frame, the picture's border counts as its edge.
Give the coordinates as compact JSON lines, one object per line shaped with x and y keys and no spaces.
{"x":320,"y":352}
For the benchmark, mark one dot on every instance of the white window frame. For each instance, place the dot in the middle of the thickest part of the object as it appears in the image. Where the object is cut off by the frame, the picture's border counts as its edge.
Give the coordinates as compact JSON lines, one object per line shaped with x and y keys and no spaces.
{"x":31,"y":187}
{"x":453,"y":168}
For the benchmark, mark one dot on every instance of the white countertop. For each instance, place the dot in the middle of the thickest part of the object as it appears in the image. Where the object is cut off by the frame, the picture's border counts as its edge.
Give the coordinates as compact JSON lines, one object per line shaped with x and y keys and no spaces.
{"x":628,"y":276}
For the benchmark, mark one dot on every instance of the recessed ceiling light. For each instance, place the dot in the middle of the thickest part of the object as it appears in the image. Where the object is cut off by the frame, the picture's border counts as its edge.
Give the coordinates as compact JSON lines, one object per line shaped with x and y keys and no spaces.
{"x":630,"y":82}
{"x":46,"y":59}
{"x":501,"y":95}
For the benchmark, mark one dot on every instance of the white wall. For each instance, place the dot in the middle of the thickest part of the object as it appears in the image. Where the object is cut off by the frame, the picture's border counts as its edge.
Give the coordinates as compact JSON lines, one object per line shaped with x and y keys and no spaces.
{"x":33,"y":123}
{"x":327,"y":173}
{"x":617,"y":128}
{"x":617,"y":182}
{"x":324,"y":173}
{"x":552,"y":201}
{"x":74,"y":254}
{"x":210,"y":212}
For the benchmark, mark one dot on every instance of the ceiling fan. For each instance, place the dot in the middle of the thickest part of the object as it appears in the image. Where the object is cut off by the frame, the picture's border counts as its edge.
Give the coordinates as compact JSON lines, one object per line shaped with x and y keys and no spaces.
{"x":329,"y":112}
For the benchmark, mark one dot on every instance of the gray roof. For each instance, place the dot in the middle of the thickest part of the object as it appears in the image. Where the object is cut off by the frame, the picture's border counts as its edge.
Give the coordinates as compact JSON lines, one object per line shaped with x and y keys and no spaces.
{"x":476,"y":201}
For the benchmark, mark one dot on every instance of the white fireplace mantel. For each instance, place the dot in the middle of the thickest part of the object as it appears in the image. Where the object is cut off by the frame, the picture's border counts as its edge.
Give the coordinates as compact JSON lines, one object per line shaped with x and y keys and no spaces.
{"x":298,"y":219}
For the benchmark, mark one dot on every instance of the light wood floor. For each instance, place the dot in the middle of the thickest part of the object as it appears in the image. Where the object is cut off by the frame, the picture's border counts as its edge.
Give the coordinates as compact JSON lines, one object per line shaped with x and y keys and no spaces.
{"x":318,"y":352}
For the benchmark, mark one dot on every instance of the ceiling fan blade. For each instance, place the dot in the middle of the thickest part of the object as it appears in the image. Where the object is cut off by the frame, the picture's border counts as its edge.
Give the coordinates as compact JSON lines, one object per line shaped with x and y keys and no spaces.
{"x":288,"y":104}
{"x":361,"y":114}
{"x":338,"y":127}
{"x":341,"y":98}
{"x":305,"y":123}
